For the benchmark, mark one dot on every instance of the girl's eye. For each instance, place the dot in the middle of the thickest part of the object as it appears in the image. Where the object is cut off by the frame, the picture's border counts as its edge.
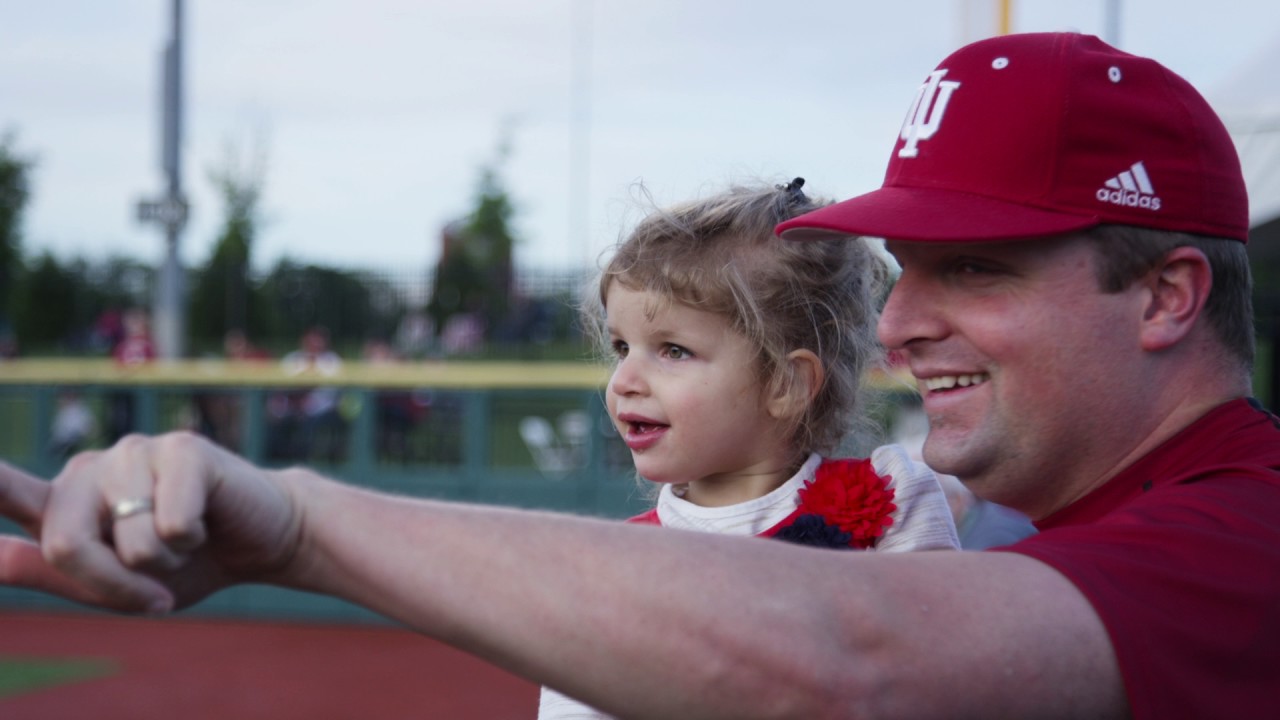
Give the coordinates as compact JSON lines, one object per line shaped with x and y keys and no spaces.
{"x":675,"y":352}
{"x":620,"y":349}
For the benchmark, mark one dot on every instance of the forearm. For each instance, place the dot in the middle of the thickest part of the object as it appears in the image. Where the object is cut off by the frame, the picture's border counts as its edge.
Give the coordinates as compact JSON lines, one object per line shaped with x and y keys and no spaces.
{"x":637,"y":621}
{"x":646,"y":622}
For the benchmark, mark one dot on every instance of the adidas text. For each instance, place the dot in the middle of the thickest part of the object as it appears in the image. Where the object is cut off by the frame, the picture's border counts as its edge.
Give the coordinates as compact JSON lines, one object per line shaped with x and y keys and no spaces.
{"x":1131,"y":198}
{"x":1131,"y":188}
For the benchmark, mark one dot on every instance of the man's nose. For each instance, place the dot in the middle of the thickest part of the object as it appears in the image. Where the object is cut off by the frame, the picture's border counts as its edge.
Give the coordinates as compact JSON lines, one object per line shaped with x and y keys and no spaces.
{"x":911,"y":313}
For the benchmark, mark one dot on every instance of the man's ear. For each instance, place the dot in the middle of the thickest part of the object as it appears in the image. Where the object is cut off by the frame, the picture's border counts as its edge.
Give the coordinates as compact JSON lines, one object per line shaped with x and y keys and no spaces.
{"x":1178,"y":288}
{"x":804,"y":375}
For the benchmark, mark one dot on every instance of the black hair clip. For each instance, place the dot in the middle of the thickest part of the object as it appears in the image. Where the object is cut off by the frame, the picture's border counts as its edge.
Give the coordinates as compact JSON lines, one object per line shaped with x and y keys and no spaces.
{"x":795,"y":194}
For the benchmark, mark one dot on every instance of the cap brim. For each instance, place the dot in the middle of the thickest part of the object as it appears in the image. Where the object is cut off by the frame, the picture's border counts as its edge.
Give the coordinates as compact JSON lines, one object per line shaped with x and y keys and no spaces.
{"x":932,"y":215}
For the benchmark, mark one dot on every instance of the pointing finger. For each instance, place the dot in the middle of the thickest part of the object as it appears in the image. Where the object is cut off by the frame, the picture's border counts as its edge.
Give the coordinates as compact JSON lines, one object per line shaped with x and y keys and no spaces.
{"x":22,"y":496}
{"x":23,"y":565}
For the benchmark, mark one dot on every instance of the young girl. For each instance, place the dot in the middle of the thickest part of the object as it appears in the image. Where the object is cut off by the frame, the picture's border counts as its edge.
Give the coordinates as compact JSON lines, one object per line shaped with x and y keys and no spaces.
{"x":738,"y":358}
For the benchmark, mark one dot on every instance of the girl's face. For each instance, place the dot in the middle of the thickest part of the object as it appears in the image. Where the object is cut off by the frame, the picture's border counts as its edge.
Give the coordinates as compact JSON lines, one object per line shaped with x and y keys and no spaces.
{"x":686,"y":398}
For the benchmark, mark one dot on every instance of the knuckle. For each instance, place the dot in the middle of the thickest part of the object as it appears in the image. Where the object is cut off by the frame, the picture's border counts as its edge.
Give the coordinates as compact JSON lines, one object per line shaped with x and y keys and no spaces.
{"x":135,"y":558}
{"x":148,"y":558}
{"x":61,"y":551}
{"x":182,"y":438}
{"x":178,"y":534}
{"x":180,"y":444}
{"x":82,"y":459}
{"x":132,"y":442}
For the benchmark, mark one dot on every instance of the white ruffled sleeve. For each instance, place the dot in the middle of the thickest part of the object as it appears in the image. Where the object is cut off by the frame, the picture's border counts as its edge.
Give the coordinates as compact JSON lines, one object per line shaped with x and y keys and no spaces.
{"x":554,"y":706}
{"x":923,"y":520}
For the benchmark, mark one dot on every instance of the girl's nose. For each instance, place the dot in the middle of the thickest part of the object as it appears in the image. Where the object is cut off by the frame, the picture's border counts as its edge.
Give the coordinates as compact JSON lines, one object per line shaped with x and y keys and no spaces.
{"x":628,"y":378}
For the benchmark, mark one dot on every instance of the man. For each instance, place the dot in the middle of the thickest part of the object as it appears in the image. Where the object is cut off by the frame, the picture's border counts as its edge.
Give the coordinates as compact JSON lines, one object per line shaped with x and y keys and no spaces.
{"x":1092,"y":380}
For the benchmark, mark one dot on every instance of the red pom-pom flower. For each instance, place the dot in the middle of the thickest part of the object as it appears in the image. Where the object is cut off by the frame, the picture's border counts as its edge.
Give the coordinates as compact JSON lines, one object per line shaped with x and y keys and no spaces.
{"x":846,"y":505}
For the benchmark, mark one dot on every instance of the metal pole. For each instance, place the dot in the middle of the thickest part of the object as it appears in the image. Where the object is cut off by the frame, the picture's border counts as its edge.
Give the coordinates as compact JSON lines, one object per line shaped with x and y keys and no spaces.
{"x":169,"y":311}
{"x":580,"y":128}
{"x":1111,"y":22}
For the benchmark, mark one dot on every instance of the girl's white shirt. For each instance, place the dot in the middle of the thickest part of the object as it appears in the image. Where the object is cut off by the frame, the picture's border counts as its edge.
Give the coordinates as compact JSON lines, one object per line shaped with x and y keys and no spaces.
{"x":922,"y":521}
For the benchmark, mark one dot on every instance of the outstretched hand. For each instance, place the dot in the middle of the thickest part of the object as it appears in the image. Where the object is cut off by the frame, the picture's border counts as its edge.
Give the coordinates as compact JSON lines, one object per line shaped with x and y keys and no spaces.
{"x":22,"y":499}
{"x":210,"y":520}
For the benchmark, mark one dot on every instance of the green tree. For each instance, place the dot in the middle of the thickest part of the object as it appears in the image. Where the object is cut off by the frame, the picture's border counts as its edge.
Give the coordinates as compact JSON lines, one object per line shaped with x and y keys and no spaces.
{"x":45,"y":309}
{"x":111,"y":285}
{"x":459,"y":278}
{"x":351,"y":305}
{"x":490,"y":239}
{"x":474,"y":273}
{"x":15,"y":191}
{"x":58,"y":303}
{"x":117,"y":281}
{"x":223,"y":296}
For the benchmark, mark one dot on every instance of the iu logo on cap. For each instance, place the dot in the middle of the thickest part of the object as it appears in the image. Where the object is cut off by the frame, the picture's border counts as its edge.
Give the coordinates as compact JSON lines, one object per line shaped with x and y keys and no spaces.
{"x":925,"y":115}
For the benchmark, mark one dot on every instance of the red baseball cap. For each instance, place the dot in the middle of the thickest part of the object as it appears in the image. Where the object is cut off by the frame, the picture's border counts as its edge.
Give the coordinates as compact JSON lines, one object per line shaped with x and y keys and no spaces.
{"x":1037,"y":134}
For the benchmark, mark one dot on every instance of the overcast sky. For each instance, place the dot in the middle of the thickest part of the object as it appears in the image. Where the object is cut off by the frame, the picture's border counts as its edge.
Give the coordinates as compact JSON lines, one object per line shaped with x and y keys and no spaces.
{"x":375,"y":117}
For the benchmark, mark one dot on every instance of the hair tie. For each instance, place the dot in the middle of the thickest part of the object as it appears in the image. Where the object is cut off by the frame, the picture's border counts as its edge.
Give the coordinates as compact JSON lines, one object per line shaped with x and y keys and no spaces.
{"x":794,"y":193}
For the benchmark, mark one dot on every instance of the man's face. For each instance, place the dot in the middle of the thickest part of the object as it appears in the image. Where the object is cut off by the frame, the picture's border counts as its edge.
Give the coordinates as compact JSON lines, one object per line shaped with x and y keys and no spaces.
{"x":1024,"y":365}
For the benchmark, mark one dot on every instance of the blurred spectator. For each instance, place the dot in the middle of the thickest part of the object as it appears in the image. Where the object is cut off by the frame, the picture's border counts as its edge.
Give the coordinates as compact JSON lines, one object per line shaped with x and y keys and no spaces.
{"x":108,"y":331}
{"x":219,"y":413}
{"x":463,"y":333}
{"x":415,"y":336}
{"x":134,"y":347}
{"x":74,"y":426}
{"x":398,"y":411}
{"x":236,"y":346}
{"x":308,"y":425}
{"x":378,"y":352}
{"x":313,"y":355}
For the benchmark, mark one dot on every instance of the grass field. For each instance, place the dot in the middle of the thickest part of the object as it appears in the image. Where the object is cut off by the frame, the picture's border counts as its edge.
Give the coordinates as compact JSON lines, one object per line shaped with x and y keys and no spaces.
{"x":25,"y":674}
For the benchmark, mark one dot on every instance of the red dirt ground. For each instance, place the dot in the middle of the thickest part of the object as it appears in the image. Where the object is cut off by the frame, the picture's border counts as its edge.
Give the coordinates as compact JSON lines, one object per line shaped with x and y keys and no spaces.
{"x":200,"y":669}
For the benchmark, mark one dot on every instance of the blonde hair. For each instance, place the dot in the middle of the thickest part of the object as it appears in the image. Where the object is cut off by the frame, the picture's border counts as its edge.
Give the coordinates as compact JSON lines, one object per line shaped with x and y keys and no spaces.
{"x":720,"y":255}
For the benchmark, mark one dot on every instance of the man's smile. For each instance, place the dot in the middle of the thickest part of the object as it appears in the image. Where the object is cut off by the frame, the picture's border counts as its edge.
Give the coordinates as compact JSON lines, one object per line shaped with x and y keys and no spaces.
{"x":949,"y":382}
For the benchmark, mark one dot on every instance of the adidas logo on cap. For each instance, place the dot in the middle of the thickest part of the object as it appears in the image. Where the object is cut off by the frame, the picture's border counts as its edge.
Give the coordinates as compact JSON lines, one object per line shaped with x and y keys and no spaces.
{"x":1131,"y":188}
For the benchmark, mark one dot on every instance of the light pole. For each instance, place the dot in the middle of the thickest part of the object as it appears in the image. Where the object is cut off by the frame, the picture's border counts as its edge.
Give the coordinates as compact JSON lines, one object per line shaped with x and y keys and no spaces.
{"x":170,"y":212}
{"x":580,"y":127}
{"x":1111,"y":22}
